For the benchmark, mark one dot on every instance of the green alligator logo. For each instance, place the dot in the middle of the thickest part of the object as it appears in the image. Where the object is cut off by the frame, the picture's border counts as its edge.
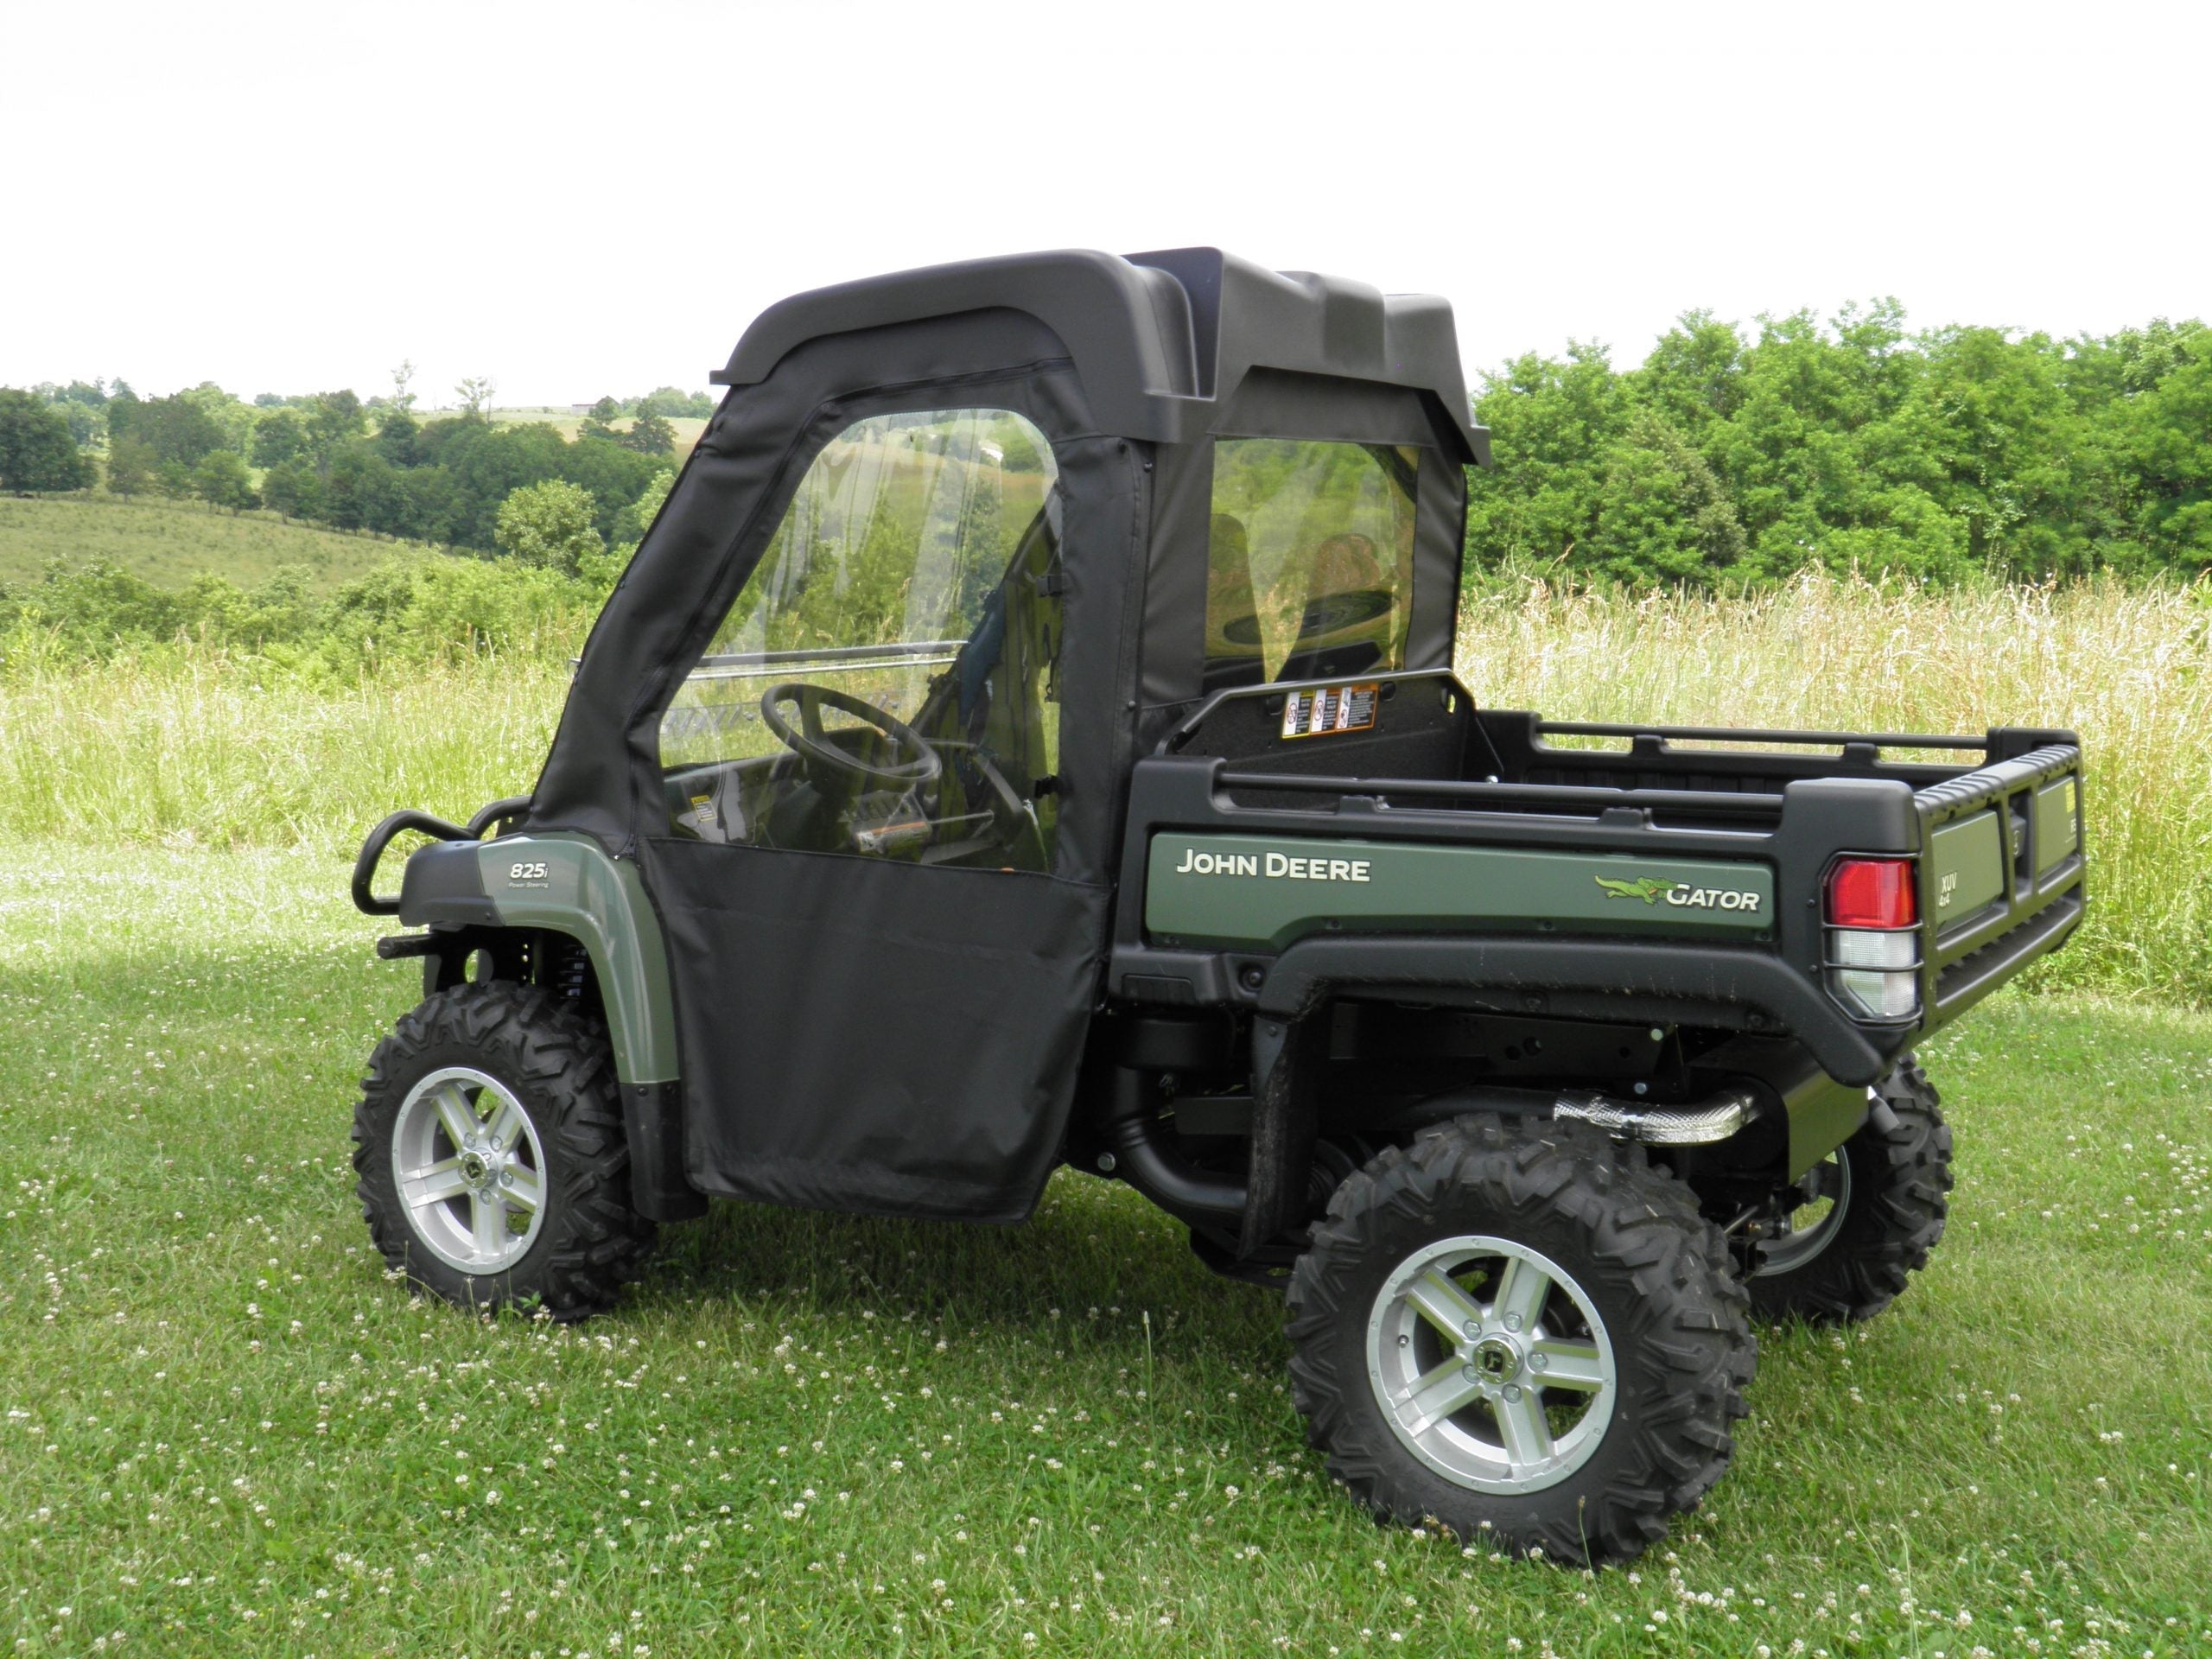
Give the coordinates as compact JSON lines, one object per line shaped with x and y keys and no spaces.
{"x":1649,"y":888}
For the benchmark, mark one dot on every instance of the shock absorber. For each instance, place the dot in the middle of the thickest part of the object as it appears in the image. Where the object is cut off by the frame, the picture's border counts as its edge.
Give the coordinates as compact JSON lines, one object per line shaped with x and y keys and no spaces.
{"x":570,"y":970}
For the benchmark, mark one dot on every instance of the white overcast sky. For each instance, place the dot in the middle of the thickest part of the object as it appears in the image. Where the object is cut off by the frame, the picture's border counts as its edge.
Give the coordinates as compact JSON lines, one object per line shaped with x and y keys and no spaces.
{"x":583,"y":199}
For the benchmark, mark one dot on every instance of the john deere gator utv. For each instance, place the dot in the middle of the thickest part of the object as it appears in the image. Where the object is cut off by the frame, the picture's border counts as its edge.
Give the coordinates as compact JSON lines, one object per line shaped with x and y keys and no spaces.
{"x":1028,"y":736}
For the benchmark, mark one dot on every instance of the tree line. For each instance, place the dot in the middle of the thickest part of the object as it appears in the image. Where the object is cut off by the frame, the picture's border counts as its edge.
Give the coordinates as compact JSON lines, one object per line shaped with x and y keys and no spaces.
{"x":330,"y":458}
{"x":1728,"y":458}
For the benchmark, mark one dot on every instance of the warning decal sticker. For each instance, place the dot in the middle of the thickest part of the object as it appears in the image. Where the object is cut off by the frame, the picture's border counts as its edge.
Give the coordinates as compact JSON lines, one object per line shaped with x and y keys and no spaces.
{"x":1330,"y":709}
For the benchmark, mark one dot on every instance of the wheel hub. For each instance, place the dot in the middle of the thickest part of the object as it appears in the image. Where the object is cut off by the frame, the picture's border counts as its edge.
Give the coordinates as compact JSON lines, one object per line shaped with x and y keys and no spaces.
{"x":1491,"y":1364}
{"x":470,"y":1170}
{"x":1494,"y":1359}
{"x":1803,"y":1231}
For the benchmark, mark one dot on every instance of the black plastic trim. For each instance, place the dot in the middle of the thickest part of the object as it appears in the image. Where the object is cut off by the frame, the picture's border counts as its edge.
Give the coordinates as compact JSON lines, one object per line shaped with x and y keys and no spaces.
{"x":443,"y":885}
{"x":653,"y":1125}
{"x":1741,"y":989}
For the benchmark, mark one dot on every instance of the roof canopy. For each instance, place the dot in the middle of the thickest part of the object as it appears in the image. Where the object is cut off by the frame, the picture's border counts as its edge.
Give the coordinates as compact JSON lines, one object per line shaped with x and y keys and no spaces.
{"x":1161,"y":340}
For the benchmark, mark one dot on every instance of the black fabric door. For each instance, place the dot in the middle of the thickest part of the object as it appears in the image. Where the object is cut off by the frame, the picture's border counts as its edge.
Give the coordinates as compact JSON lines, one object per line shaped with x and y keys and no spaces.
{"x":882,"y":1037}
{"x":871,"y":676}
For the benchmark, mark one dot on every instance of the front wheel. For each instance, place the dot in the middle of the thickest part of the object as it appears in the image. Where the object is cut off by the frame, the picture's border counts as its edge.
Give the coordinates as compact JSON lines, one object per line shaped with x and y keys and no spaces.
{"x":1523,"y":1331}
{"x":1865,"y":1217}
{"x":489,"y":1144}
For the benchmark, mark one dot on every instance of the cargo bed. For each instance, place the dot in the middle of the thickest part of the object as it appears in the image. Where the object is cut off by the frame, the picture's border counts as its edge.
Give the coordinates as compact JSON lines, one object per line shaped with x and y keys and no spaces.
{"x":1597,"y":871}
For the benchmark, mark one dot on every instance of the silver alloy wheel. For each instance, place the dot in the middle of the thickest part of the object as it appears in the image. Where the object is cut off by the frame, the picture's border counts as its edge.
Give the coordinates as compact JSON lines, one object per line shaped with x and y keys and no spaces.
{"x":469,"y":1169}
{"x":1511,"y":1393}
{"x":1828,"y":1180}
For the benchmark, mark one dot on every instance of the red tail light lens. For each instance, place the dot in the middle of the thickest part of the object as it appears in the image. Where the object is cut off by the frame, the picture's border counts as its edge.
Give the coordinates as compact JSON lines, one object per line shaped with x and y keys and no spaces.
{"x":1872,"y":892}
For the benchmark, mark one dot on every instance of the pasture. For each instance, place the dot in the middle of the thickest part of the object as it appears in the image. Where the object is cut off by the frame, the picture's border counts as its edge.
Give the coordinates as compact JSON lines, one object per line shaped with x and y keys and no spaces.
{"x":226,"y":1431}
{"x":569,"y":424}
{"x":168,"y":543}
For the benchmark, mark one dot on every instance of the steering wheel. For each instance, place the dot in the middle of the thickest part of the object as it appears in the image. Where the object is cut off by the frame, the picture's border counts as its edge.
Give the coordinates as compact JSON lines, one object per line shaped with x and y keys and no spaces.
{"x":808,"y":742}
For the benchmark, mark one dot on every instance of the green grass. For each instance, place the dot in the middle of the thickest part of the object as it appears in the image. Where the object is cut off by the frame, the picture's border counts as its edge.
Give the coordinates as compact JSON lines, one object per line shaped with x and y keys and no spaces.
{"x":170,"y":542}
{"x":223,"y":1431}
{"x":194,"y":748}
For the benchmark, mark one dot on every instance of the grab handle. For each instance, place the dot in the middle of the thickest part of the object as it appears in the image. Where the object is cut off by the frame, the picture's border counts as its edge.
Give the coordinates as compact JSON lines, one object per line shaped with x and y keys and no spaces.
{"x":373,"y":849}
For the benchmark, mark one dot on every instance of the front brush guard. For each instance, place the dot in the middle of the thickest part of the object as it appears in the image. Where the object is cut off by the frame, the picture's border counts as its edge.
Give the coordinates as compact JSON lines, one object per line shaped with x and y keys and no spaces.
{"x":373,"y":849}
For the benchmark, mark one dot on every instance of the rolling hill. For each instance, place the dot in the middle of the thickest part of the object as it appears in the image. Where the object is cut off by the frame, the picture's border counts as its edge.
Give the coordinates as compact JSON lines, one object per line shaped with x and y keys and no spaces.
{"x":168,"y":543}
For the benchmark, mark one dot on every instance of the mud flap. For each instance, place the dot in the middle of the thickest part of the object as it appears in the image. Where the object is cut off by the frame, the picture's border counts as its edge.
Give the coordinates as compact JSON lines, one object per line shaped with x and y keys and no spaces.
{"x":1282,"y":1130}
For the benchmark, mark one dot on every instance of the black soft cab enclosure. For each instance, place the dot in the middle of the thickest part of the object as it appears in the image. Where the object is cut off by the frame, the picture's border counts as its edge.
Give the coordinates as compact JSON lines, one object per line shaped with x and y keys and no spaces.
{"x":864,"y":708}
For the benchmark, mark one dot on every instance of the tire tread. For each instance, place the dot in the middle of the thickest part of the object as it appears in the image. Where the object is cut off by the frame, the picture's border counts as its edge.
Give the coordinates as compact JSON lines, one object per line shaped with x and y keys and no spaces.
{"x":1689,"y":1329}
{"x":600,"y":1241}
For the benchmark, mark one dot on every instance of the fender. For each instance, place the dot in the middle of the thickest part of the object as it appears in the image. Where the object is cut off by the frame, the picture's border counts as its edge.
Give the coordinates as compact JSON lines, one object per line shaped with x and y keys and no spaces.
{"x":564,"y":883}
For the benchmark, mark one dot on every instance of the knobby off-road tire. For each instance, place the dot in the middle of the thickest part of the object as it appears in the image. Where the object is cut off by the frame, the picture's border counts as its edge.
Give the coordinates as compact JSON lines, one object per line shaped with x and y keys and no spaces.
{"x":499,"y":1110}
{"x":1887,"y":1191}
{"x":1632,"y":1288}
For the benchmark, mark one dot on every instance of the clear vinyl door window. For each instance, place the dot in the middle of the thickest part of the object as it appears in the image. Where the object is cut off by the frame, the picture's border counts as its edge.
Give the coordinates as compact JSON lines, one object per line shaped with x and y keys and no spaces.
{"x":885,"y":685}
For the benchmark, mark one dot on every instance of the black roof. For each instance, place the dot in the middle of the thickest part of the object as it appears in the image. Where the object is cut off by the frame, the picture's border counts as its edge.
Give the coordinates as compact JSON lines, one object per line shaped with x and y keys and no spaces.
{"x":1161,"y":340}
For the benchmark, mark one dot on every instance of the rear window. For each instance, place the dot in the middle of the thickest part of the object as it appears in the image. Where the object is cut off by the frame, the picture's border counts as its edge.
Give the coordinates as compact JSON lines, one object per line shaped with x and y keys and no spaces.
{"x":1309,"y":560}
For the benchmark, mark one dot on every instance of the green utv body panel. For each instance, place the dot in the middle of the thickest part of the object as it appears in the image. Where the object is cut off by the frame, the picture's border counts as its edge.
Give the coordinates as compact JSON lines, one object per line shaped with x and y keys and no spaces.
{"x":1266,"y":891}
{"x":566,"y":883}
{"x":1969,"y":861}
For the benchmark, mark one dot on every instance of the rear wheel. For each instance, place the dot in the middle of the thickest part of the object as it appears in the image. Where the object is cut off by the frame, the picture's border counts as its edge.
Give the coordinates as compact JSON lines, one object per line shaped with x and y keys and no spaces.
{"x":488,"y":1143}
{"x":1865,"y":1217}
{"x":1522,"y":1330}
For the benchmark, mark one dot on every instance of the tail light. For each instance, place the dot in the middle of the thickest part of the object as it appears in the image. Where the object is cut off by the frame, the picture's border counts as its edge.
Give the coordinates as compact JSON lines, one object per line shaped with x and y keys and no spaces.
{"x":1873,"y":917}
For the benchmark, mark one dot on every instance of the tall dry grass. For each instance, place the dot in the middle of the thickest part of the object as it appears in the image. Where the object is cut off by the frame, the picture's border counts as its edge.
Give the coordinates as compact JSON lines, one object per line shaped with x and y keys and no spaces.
{"x":185,"y":746}
{"x":2125,"y":666}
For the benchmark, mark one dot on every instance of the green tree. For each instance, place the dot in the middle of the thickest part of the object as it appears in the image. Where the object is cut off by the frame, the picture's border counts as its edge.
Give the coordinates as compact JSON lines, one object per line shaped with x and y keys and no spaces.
{"x":395,"y":436}
{"x":221,"y":481}
{"x":235,"y":419}
{"x":83,"y":404}
{"x":37,"y":452}
{"x":332,"y":417}
{"x":1553,"y":422}
{"x":632,"y":521}
{"x":669,"y":404}
{"x":2168,"y":439}
{"x":280,"y":435}
{"x":475,"y":394}
{"x":650,"y":435}
{"x":293,"y":489}
{"x":598,"y":423}
{"x":129,"y":468}
{"x":176,"y":430}
{"x":549,"y":525}
{"x":1662,"y":513}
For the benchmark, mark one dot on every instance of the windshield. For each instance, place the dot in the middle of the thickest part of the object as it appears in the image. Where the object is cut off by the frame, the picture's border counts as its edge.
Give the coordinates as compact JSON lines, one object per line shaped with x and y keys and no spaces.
{"x":1309,"y":559}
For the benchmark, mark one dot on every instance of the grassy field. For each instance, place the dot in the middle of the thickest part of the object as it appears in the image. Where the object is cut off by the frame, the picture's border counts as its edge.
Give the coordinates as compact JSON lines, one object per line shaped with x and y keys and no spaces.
{"x":224,"y":1431}
{"x":170,"y":542}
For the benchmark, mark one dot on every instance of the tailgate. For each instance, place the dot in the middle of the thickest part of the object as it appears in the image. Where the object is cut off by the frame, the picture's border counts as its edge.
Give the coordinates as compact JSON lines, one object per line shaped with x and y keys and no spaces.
{"x":2001,"y":881}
